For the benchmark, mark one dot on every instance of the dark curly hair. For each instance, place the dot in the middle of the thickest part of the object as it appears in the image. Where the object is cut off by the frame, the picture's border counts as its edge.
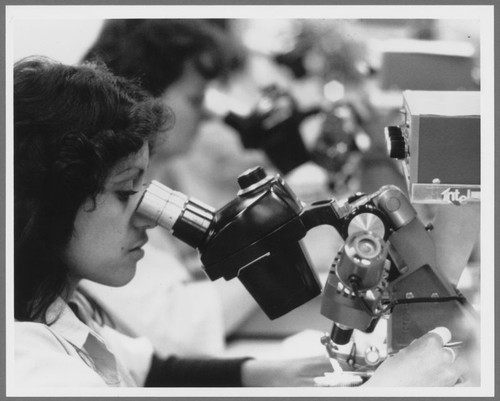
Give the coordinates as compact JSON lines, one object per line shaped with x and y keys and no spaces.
{"x":155,"y":51}
{"x":72,"y":124}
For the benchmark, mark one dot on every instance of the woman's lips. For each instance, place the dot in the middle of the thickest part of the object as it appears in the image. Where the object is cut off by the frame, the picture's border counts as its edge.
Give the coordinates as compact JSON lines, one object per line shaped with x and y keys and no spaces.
{"x":138,"y":248}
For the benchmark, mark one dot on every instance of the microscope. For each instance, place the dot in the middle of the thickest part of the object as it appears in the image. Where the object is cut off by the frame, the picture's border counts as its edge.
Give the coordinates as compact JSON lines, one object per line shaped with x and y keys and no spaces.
{"x":387,"y":266}
{"x":273,"y":125}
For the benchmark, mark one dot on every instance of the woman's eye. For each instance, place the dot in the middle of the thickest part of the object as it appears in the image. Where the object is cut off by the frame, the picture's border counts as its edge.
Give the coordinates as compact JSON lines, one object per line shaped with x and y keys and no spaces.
{"x":124,"y":196}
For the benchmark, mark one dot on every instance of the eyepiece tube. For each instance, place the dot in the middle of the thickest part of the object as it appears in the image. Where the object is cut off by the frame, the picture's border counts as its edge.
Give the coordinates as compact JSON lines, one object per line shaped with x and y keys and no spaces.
{"x":186,"y":218}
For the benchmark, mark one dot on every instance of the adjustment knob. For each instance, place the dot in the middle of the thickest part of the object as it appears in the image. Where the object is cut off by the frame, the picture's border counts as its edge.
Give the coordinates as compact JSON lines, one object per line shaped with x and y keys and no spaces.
{"x":251,"y":177}
{"x":396,"y":143}
{"x":372,"y":355}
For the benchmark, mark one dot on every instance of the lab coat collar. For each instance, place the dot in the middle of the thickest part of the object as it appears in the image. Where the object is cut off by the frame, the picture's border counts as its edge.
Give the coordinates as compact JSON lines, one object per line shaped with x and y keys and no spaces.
{"x":91,"y":346}
{"x":67,"y":324}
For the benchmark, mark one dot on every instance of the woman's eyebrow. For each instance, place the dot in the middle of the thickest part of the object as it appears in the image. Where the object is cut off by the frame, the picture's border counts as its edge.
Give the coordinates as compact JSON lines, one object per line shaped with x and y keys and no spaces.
{"x":127,"y":174}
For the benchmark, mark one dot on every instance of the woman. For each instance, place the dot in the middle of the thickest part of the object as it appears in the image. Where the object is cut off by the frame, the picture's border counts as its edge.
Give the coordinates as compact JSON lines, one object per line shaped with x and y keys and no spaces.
{"x":82,"y":140}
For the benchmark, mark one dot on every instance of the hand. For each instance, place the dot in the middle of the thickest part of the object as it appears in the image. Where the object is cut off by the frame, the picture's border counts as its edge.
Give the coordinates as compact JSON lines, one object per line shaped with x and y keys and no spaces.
{"x":424,"y":363}
{"x":299,"y":372}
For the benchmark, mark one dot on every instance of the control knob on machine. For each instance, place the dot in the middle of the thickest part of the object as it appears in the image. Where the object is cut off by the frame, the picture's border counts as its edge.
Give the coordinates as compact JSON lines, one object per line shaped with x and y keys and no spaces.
{"x":252,"y":179}
{"x":396,"y":143}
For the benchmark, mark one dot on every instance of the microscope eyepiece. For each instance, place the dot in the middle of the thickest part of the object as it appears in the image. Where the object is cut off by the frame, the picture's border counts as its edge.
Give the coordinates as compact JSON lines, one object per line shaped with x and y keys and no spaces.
{"x":186,"y":218}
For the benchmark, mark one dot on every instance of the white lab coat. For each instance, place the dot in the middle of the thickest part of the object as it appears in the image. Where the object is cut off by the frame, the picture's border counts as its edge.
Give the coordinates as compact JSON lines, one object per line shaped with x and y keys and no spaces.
{"x":70,"y":353}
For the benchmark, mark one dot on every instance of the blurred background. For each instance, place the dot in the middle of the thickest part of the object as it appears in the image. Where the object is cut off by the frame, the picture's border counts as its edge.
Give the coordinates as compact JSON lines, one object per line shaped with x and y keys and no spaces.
{"x":354,"y":70}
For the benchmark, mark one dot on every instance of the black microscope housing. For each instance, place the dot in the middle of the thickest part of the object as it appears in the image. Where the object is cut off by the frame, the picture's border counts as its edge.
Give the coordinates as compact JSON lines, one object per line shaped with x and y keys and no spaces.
{"x":256,"y":237}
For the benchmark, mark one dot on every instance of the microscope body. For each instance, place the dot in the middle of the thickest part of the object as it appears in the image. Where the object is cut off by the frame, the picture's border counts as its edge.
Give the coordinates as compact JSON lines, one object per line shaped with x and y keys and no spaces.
{"x":257,"y":238}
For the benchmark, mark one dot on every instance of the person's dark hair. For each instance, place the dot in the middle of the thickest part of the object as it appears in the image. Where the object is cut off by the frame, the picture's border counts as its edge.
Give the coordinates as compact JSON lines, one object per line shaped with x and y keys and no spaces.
{"x":72,"y":124}
{"x":155,"y":51}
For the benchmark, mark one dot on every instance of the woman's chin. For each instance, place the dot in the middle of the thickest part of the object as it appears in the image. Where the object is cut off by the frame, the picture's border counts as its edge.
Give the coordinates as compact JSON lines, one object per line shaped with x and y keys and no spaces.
{"x":124,"y":278}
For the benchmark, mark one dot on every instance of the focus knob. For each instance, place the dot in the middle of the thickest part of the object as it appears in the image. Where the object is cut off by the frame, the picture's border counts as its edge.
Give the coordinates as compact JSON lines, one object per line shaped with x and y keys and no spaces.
{"x":251,"y":177}
{"x":396,"y":143}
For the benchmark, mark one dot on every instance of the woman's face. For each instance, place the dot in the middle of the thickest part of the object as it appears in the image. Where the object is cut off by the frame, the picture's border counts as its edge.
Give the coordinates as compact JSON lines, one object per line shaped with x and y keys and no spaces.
{"x":108,"y":239}
{"x":185,"y":97}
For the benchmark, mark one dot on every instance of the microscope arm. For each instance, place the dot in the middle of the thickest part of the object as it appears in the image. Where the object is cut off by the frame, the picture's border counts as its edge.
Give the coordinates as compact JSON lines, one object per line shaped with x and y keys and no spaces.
{"x":322,"y":213}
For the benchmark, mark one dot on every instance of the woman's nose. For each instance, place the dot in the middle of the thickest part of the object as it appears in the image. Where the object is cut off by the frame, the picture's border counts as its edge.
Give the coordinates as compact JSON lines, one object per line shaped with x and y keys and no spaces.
{"x":140,"y":221}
